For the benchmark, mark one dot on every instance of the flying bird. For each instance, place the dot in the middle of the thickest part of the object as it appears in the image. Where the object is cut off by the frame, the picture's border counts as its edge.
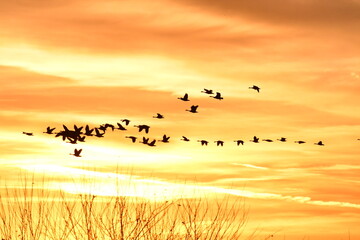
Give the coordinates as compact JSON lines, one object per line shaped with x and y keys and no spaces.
{"x":165,"y":139}
{"x":71,"y":140}
{"x":185,"y":139}
{"x":98,"y":134}
{"x":28,"y":133}
{"x":267,"y":140}
{"x":76,"y":152}
{"x":320,"y":143}
{"x":255,"y":139}
{"x":193,"y":109}
{"x":255,"y":88}
{"x":133,"y":138}
{"x":145,"y":140}
{"x":300,"y":142}
{"x":152,"y":143}
{"x":238,"y":142}
{"x":207,"y":91}
{"x":120,"y":127}
{"x":88,"y":131}
{"x":107,"y":125}
{"x":203,"y":142}
{"x":219,"y":143}
{"x":126,"y":121}
{"x":184,"y":98}
{"x":217,"y":96}
{"x":81,"y":139}
{"x":159,"y":116}
{"x":143,"y":127}
{"x":282,"y":139}
{"x":49,"y":130}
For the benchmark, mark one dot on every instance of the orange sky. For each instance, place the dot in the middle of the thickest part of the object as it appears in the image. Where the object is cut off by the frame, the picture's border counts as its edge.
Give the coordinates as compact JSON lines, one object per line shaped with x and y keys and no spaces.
{"x":92,"y":62}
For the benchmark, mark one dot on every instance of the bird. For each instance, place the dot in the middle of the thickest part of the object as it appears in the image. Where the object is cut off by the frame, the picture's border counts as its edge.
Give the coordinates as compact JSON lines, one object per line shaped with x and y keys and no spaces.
{"x":103,"y":128}
{"x":126,"y":121}
{"x":159,"y":116}
{"x":49,"y":130}
{"x":152,"y":143}
{"x":78,"y":129}
{"x":185,"y":139}
{"x":207,"y":91}
{"x":76,"y":152}
{"x":81,"y":139}
{"x":98,"y":134}
{"x":238,"y":142}
{"x":267,"y":140}
{"x":282,"y":139}
{"x":217,"y":96}
{"x":72,"y":140}
{"x":255,"y":139}
{"x":300,"y":142}
{"x":120,"y":127}
{"x":145,"y":140}
{"x":165,"y":139}
{"x":88,"y":131}
{"x":203,"y":142}
{"x":28,"y":133}
{"x":193,"y":109}
{"x":184,"y":98}
{"x":255,"y":88}
{"x":143,"y":127}
{"x":107,"y":125}
{"x":133,"y":138}
{"x":219,"y":143}
{"x":320,"y":143}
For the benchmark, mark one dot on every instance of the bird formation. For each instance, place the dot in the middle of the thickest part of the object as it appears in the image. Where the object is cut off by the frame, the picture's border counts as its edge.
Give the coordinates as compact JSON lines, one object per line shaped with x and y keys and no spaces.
{"x":75,"y":135}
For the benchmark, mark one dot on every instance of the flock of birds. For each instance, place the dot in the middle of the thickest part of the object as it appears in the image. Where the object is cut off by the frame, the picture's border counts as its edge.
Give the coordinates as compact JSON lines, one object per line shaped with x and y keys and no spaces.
{"x":73,"y":136}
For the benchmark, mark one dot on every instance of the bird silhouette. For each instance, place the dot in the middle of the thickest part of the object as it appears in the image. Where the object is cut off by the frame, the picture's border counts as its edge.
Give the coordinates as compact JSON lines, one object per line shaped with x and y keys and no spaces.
{"x":71,"y":140}
{"x":238,"y":142}
{"x":185,"y":139}
{"x":300,"y":142}
{"x":102,"y":128}
{"x":255,"y":88}
{"x":76,"y":152}
{"x":81,"y":139}
{"x":282,"y":139}
{"x":78,"y":129}
{"x":88,"y":131}
{"x":159,"y":116}
{"x":98,"y":134}
{"x":152,"y":143}
{"x":320,"y":143}
{"x":107,"y":125}
{"x":133,"y":138}
{"x":145,"y":140}
{"x":165,"y":139}
{"x":203,"y":142}
{"x":207,"y":91}
{"x":193,"y":109}
{"x":267,"y":140}
{"x":49,"y":130}
{"x":184,"y":98}
{"x":255,"y":139}
{"x":126,"y":121}
{"x":219,"y":143}
{"x":120,"y":127}
{"x":28,"y":133}
{"x":217,"y":96}
{"x":143,"y":127}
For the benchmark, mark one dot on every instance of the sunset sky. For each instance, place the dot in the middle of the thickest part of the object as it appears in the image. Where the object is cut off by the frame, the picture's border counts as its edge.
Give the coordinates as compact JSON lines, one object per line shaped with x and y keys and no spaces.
{"x":94,"y":62}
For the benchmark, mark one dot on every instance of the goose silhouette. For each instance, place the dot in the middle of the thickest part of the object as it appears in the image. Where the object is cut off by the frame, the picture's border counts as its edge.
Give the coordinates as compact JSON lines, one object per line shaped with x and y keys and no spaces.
{"x":159,"y":116}
{"x":133,"y":138}
{"x":76,"y":152}
{"x":120,"y":127}
{"x":126,"y":121}
{"x":152,"y":143}
{"x":282,"y":139}
{"x":78,"y":130}
{"x":102,"y":128}
{"x":207,"y":91}
{"x":267,"y":140}
{"x":28,"y":133}
{"x":49,"y":130}
{"x":98,"y":134}
{"x":184,"y":98}
{"x":255,"y":88}
{"x":145,"y":140}
{"x":238,"y":142}
{"x":255,"y":139}
{"x":107,"y":125}
{"x":217,"y":96}
{"x":300,"y":142}
{"x":185,"y":139}
{"x":219,"y":143}
{"x":193,"y":109}
{"x":72,"y":140}
{"x":165,"y":139}
{"x":203,"y":142}
{"x":320,"y":143}
{"x":88,"y":131}
{"x":143,"y":127}
{"x":81,"y":139}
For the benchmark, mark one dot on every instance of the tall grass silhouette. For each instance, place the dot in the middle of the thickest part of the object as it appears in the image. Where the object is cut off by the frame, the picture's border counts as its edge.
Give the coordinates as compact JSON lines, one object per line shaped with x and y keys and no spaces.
{"x":36,"y":213}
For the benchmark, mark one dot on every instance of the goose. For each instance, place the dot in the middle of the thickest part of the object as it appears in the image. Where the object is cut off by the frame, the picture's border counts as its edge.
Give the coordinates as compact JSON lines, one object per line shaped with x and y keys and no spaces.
{"x":165,"y":139}
{"x":103,"y":128}
{"x":207,"y":91}
{"x":98,"y":134}
{"x":267,"y":140}
{"x":133,"y":138}
{"x":143,"y":127}
{"x":255,"y":88}
{"x":88,"y":131}
{"x":145,"y":140}
{"x":126,"y":121}
{"x":193,"y":109}
{"x":72,"y":140}
{"x":217,"y":96}
{"x":320,"y":143}
{"x":49,"y":130}
{"x":238,"y":142}
{"x":120,"y":127}
{"x":107,"y":125}
{"x":185,"y":97}
{"x":255,"y":139}
{"x":76,"y":152}
{"x":159,"y":116}
{"x":300,"y":142}
{"x":152,"y":143}
{"x":78,"y":129}
{"x":219,"y":143}
{"x":81,"y":139}
{"x":282,"y":139}
{"x":28,"y":133}
{"x":185,"y":139}
{"x":203,"y":142}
